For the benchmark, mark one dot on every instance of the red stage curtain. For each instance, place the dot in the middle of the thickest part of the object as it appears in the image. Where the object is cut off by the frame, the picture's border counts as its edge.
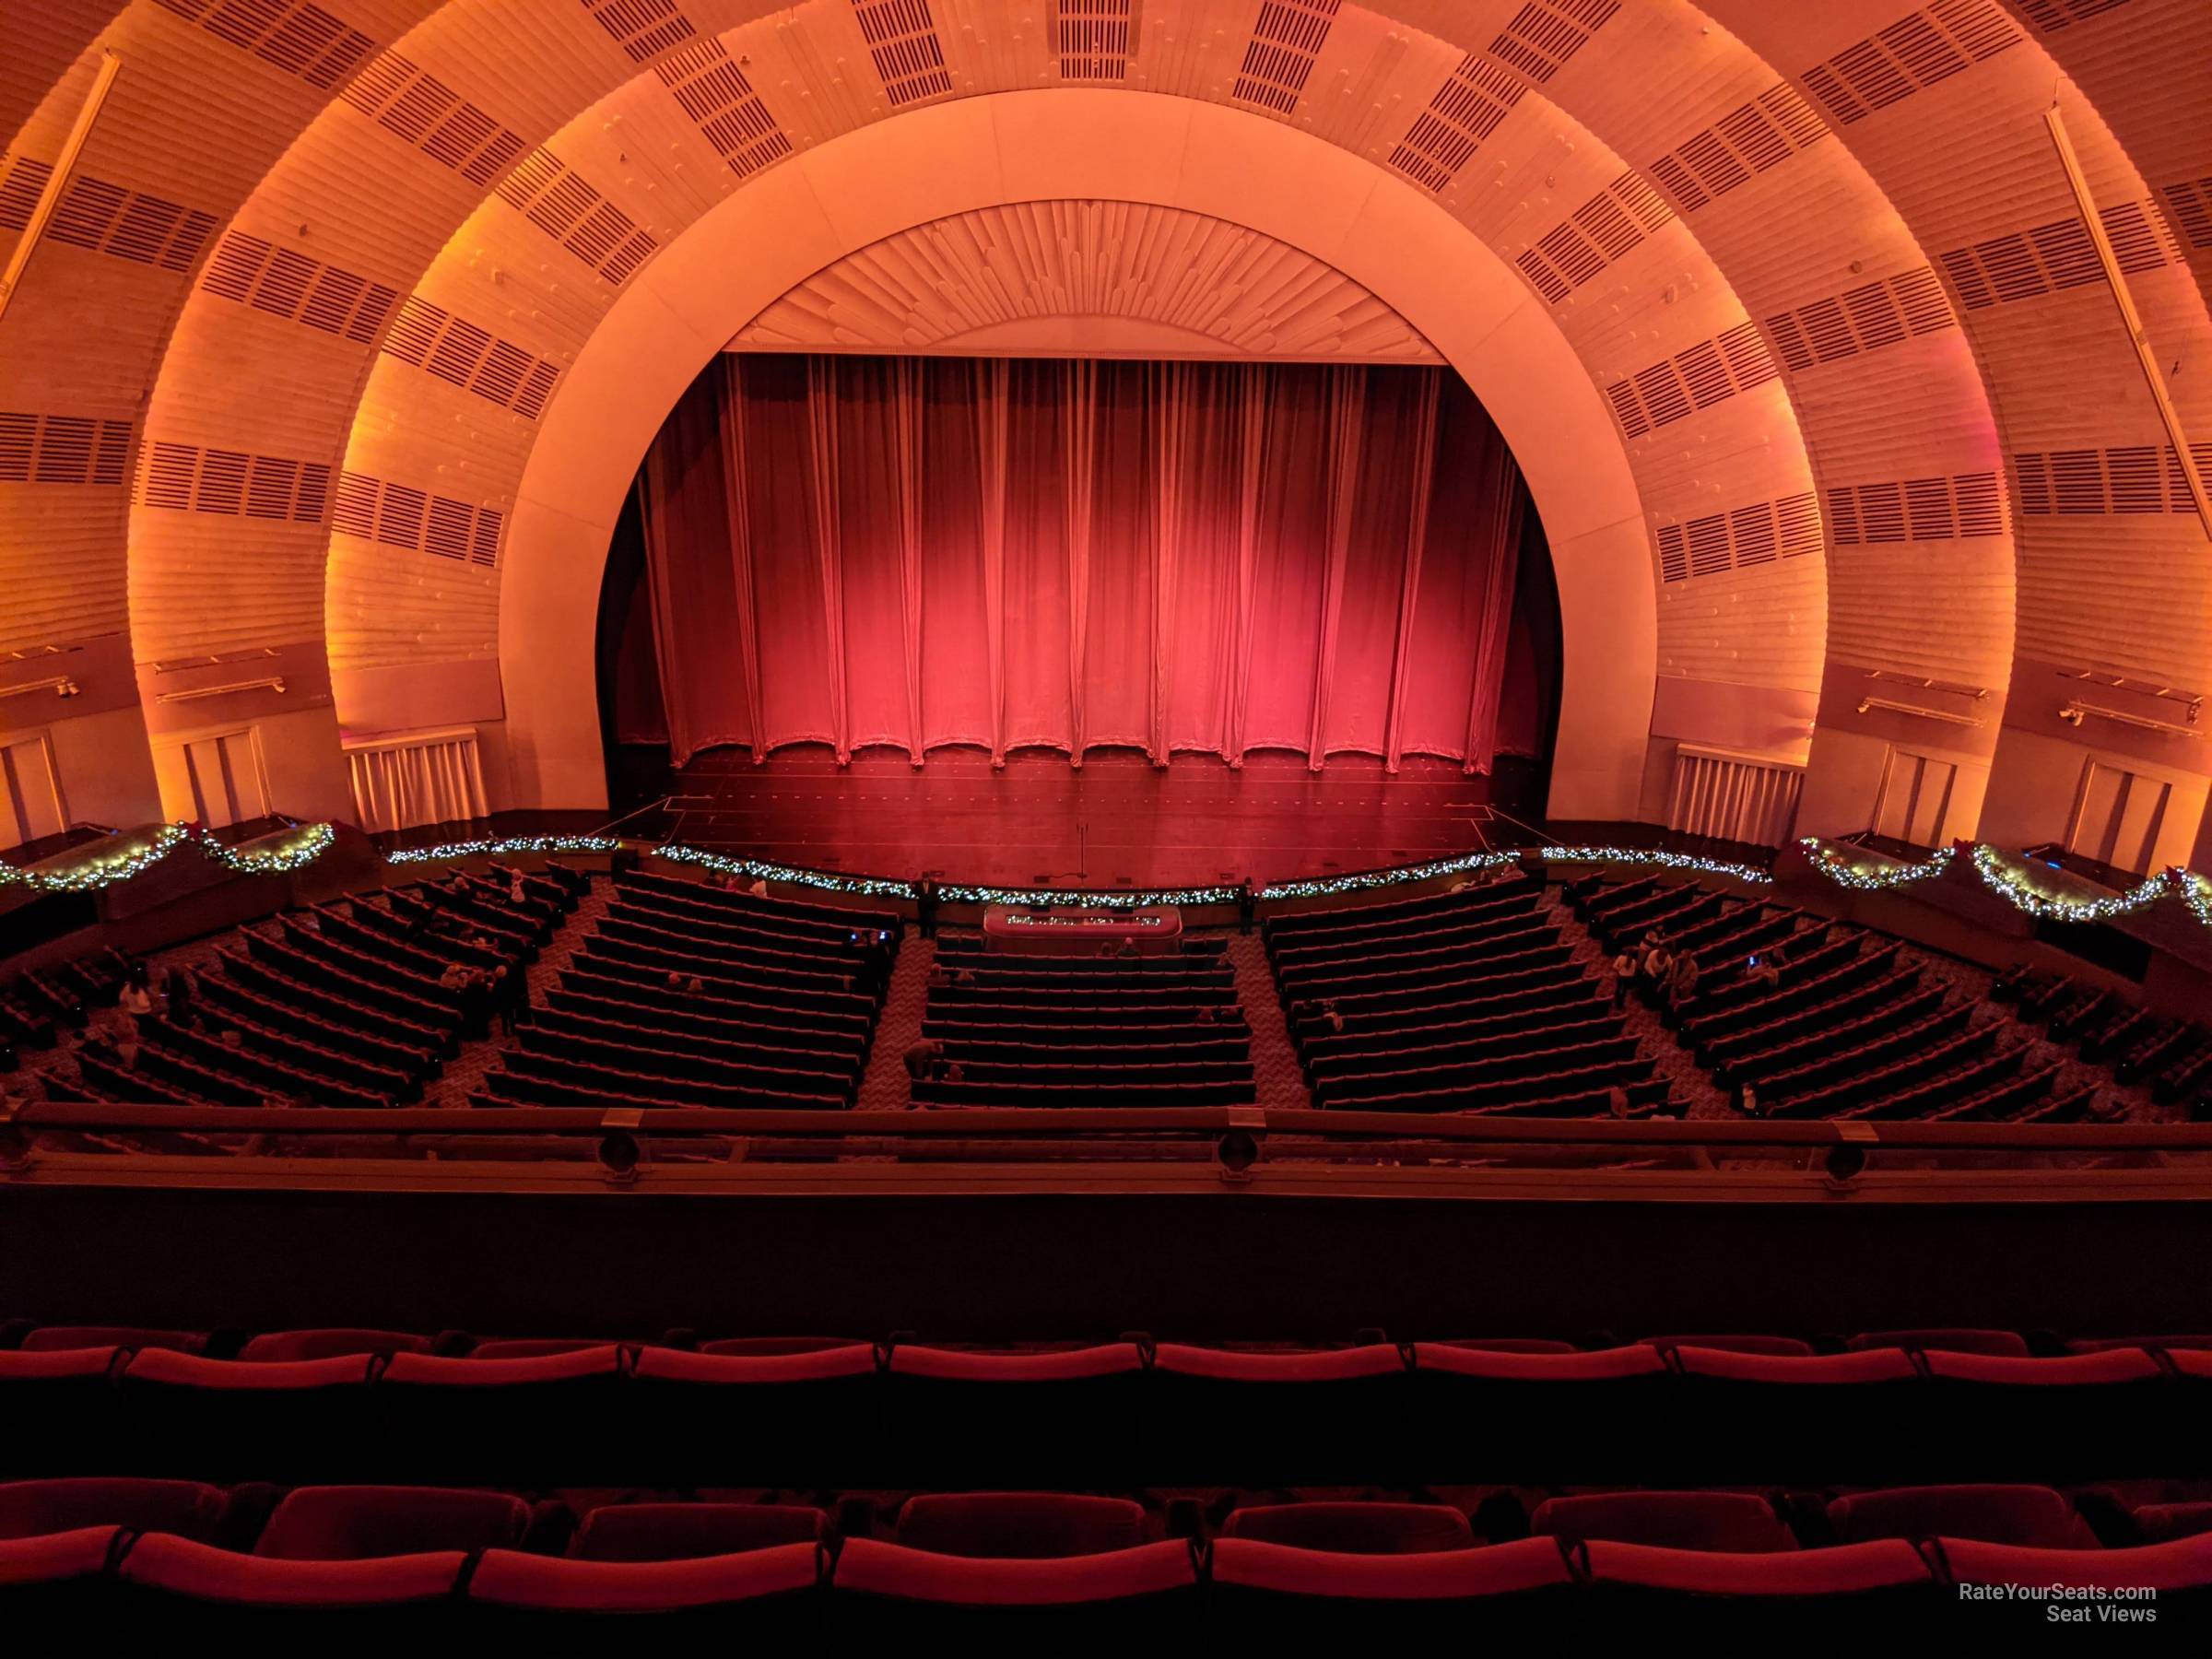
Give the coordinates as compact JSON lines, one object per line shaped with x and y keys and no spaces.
{"x":1167,"y":556}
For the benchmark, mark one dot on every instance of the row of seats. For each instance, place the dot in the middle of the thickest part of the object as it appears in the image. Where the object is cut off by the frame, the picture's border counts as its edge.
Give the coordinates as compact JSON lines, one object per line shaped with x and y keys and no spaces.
{"x":687,"y":994}
{"x":1462,"y":1001}
{"x":910,"y":1415}
{"x":433,"y":1560}
{"x":1098,"y":1031}
{"x":336,"y":1522}
{"x":351,"y":1003}
{"x":2173,"y":1056}
{"x":1821,"y":1022}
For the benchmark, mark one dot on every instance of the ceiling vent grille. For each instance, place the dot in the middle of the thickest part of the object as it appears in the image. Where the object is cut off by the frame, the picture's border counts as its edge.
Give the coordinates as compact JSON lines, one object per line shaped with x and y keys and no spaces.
{"x":397,"y":515}
{"x":1912,"y":54}
{"x":1542,"y":37}
{"x":64,"y":449}
{"x":1096,"y":38}
{"x":2188,"y":205}
{"x":101,"y":218}
{"x":255,"y":272}
{"x":903,"y":43}
{"x":1707,"y":374}
{"x":2134,"y":479}
{"x":573,"y":214}
{"x":1465,"y":109}
{"x":1740,"y":538}
{"x":2050,"y":15}
{"x":429,"y":116}
{"x":1608,"y":225}
{"x":302,"y":40}
{"x":183,"y":477}
{"x":2050,"y":258}
{"x":1917,"y":510}
{"x":1287,"y":39}
{"x":1865,"y":319}
{"x":713,"y":90}
{"x":1766,"y":132}
{"x":643,"y":29}
{"x":429,"y":337}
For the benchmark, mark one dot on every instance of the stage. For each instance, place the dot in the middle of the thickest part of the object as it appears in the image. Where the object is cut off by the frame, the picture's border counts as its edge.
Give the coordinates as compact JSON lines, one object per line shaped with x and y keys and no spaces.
{"x":1118,"y":821}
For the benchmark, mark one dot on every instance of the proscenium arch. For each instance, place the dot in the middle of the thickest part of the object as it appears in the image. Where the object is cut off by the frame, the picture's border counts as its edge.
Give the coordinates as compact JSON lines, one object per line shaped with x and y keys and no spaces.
{"x":988,"y":152}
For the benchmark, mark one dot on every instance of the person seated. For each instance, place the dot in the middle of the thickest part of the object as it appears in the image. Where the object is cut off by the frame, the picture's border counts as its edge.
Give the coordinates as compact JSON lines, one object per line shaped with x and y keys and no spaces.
{"x":924,"y":1058}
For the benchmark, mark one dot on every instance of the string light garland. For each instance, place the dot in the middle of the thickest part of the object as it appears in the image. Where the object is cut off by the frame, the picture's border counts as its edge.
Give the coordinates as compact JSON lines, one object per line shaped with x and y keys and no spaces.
{"x":511,"y":843}
{"x":305,"y":844}
{"x":1652,"y":859}
{"x":2010,"y":882}
{"x":101,"y":869}
{"x":1872,"y":879}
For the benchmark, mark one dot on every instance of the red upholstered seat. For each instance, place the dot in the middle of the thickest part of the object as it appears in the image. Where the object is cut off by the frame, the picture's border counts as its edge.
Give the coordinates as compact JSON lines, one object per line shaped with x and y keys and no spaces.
{"x":44,"y":1567}
{"x":1021,"y":1526}
{"x":2173,"y":1569}
{"x":778,"y":1345}
{"x":533,"y":1348}
{"x":48,"y":1339}
{"x":866,"y":1567}
{"x":353,"y":1522}
{"x":509,"y":1579}
{"x":1854,"y":1589}
{"x":2159,"y":1523}
{"x":671,"y":1532}
{"x":327,"y":1344}
{"x":1789,"y":1347}
{"x":30,"y":1508}
{"x":179,"y":1567}
{"x":1354,"y":1528}
{"x":1510,"y":1345}
{"x":2097,"y":1344}
{"x":1741,"y":1522}
{"x":1299,"y":1598}
{"x":2030,"y":1516}
{"x":2004,"y":1344}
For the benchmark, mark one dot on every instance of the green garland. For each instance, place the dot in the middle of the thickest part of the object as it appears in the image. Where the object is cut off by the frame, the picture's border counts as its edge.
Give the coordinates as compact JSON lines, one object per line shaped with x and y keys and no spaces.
{"x":307,"y":843}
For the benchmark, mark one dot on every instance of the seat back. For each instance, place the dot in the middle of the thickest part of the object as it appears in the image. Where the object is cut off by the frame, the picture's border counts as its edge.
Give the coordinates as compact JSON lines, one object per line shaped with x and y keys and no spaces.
{"x":1739,"y":1521}
{"x":1021,"y":1526}
{"x":354,"y":1523}
{"x":674,"y":1532}
{"x":1354,"y":1528}
{"x":2031,"y":1517}
{"x":36,"y":1508}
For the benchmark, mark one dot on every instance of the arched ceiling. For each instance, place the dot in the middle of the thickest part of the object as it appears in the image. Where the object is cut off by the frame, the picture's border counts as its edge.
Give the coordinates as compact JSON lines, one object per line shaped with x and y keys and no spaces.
{"x":324,"y":270}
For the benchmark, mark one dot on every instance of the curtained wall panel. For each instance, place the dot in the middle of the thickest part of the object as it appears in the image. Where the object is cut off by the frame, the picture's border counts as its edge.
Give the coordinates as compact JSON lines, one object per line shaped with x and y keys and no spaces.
{"x":1212,"y":557}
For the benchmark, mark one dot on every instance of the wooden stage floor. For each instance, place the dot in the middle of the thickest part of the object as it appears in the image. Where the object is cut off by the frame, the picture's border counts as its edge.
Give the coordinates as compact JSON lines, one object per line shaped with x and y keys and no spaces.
{"x":1119,"y":821}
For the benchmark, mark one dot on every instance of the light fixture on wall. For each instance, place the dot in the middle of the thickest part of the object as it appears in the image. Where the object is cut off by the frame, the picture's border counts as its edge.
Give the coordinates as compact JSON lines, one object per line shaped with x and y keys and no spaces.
{"x":61,"y":685}
{"x":192,"y":693}
{"x":1947,"y":687}
{"x":2193,"y":702}
{"x":1889,"y":705}
{"x":2075,"y":710}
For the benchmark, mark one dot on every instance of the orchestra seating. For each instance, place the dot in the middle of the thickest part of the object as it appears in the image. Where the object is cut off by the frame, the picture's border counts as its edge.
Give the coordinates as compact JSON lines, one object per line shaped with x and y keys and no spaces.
{"x":1460,"y":1001}
{"x":2173,"y":1057}
{"x":1826,"y":1020}
{"x":1082,"y":1030}
{"x":375,"y":1472}
{"x":356,"y":1003}
{"x":689,"y":995}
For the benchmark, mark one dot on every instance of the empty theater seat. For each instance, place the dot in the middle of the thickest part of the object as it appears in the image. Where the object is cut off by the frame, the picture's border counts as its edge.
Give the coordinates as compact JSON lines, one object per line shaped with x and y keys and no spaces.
{"x":354,"y":1523}
{"x":325,"y":1344}
{"x":1020,"y":1526}
{"x":1739,"y":1521}
{"x":187,"y":1582}
{"x":765,"y":1595}
{"x":30,"y":1508}
{"x":2003,"y":1344}
{"x":1855,"y":1590}
{"x":1353,"y":1528}
{"x":670,"y":1532}
{"x":1506,"y":1591}
{"x":2031,"y":1517}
